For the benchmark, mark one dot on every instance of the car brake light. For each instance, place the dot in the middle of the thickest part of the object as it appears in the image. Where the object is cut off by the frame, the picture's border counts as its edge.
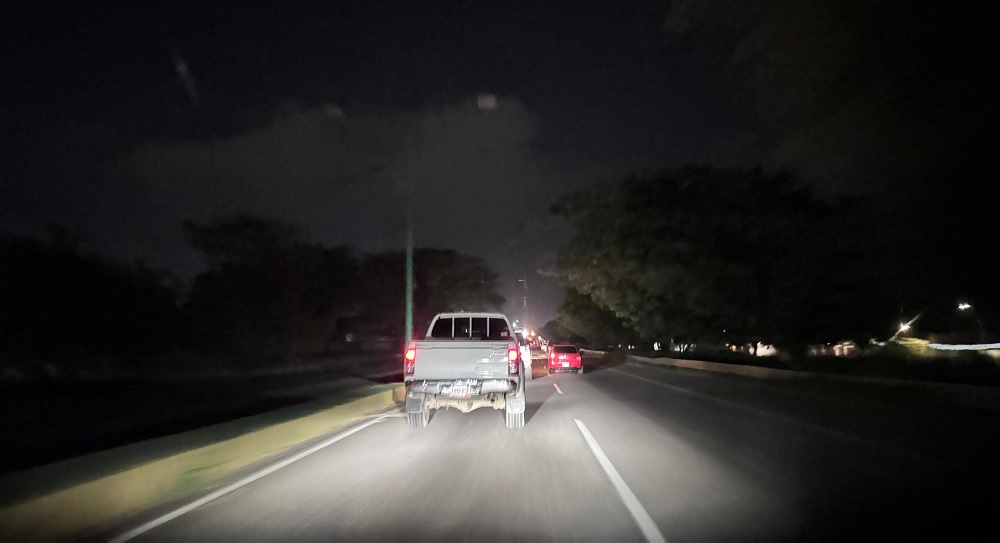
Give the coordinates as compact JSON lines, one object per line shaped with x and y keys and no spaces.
{"x":409,"y":361}
{"x":512,"y":354}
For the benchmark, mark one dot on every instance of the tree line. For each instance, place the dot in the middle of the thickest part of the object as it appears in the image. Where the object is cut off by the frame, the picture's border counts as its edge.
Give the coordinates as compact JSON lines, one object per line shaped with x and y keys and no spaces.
{"x":266,"y":296}
{"x":712,"y":255}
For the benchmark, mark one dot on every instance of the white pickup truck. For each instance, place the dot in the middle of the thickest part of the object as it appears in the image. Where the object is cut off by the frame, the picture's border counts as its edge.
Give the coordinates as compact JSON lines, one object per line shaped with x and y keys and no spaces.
{"x":466,"y":361}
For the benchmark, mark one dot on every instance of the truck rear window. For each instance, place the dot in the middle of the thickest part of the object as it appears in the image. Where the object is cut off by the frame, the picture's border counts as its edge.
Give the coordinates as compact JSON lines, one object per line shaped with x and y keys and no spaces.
{"x":470,"y":328}
{"x":442,"y":328}
{"x":564,"y":349}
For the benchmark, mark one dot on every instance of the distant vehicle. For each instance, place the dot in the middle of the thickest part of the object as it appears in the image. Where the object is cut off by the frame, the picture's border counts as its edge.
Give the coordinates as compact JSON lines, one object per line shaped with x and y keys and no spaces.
{"x":466,"y":361}
{"x":525,"y":347}
{"x":564,"y":357}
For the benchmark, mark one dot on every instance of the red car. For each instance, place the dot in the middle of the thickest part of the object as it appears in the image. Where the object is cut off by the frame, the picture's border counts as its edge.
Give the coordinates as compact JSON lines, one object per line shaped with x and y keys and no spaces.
{"x":565,"y":357}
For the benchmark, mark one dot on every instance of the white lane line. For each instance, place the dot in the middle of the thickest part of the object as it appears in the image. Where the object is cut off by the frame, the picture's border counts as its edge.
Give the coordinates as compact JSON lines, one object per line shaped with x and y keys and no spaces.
{"x":238,"y":484}
{"x":559,"y":390}
{"x":642,"y":518}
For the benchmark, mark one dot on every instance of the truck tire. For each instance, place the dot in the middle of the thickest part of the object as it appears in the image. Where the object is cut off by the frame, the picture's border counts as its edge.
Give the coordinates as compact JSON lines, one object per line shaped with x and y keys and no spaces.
{"x":419,"y":419}
{"x":515,"y":421}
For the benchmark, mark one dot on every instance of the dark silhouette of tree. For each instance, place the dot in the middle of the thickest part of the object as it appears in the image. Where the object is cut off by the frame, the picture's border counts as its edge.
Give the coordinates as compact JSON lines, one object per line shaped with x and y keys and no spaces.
{"x":266,"y":294}
{"x":444,"y":280}
{"x":57,"y":302}
{"x":702,"y":253}
{"x":581,"y":320}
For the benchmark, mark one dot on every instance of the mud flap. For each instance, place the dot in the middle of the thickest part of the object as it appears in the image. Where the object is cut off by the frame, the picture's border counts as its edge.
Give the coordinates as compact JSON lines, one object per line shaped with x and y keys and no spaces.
{"x":515,"y":402}
{"x":414,"y":402}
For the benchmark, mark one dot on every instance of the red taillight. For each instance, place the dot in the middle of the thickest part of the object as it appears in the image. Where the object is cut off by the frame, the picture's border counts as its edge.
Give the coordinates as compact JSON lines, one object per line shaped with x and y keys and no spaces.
{"x":409,"y":361}
{"x":513,"y":367}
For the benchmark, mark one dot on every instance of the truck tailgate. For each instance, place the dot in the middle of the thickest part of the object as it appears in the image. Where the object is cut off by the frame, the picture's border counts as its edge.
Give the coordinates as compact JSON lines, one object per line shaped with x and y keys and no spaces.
{"x":450,"y":359}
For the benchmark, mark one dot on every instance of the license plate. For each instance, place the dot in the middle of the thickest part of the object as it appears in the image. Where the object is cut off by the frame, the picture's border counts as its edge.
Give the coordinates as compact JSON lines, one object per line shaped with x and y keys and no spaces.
{"x":460,"y":391}
{"x":565,"y":364}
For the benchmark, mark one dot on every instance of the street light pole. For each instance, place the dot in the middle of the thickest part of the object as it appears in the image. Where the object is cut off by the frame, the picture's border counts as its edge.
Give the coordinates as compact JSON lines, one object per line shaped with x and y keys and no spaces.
{"x":375,"y":142}
{"x":525,"y":316}
{"x":408,"y":326}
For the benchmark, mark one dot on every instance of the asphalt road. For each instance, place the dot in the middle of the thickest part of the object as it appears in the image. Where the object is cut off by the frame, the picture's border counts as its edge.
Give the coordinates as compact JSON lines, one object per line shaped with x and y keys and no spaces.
{"x":689,"y":456}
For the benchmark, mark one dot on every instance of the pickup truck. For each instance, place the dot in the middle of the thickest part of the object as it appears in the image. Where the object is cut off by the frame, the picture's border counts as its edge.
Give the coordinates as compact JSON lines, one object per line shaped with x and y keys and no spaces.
{"x":466,"y":361}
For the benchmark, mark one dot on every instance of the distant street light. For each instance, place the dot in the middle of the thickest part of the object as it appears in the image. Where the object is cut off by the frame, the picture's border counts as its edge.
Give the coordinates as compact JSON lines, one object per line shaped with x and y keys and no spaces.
{"x":905,"y":326}
{"x":963,"y":306}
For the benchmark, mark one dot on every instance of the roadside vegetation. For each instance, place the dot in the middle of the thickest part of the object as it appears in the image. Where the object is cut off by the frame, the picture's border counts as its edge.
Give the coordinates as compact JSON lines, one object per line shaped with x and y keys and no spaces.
{"x":267,"y":298}
{"x":702,"y":261}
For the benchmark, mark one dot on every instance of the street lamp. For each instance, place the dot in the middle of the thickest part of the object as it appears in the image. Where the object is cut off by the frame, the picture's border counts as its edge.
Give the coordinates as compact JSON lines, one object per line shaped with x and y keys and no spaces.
{"x":963,"y":306}
{"x":905,"y":326}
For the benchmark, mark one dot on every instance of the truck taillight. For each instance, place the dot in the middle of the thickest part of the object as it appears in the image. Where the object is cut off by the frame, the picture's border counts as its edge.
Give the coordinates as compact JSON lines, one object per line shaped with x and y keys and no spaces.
{"x":409,"y":361}
{"x":513,"y":366}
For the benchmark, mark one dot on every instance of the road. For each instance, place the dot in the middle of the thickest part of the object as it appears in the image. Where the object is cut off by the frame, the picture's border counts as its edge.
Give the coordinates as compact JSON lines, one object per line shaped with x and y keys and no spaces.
{"x":698,"y":457}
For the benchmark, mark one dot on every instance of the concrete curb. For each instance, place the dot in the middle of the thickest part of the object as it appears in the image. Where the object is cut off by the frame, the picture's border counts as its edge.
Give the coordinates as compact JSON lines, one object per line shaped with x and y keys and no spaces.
{"x":978,"y":397}
{"x":720,"y":367}
{"x":80,"y":506}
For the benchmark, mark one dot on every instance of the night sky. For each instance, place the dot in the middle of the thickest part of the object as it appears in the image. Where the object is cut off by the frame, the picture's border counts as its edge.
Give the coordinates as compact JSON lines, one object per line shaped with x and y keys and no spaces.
{"x":120,"y":121}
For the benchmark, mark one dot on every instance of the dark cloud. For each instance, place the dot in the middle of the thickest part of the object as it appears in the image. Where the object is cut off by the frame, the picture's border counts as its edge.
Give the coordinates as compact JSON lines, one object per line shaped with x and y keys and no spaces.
{"x":346,"y":177}
{"x":853,"y":94}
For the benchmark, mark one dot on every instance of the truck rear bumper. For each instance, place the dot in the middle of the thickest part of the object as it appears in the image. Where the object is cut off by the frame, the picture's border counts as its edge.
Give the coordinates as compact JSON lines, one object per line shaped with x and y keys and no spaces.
{"x":476,"y":387}
{"x":494,"y":393}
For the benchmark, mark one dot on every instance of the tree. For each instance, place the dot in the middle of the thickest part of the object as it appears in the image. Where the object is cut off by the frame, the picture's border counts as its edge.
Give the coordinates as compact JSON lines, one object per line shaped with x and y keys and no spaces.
{"x":701,"y":253}
{"x":57,"y":302}
{"x":581,"y":319}
{"x":444,"y":280}
{"x":267,"y":294}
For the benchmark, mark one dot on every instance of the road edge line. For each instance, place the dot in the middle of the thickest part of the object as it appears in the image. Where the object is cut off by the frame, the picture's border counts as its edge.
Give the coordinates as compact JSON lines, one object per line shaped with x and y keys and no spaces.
{"x":163,"y":519}
{"x":632,"y":503}
{"x":82,"y":507}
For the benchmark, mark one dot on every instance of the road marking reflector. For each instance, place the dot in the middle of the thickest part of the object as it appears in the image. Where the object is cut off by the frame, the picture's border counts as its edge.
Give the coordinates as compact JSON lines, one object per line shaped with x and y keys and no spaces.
{"x":642,"y":518}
